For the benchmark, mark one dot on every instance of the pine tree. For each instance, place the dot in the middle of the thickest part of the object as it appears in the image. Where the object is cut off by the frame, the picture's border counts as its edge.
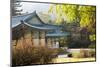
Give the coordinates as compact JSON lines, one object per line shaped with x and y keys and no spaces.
{"x":15,"y":8}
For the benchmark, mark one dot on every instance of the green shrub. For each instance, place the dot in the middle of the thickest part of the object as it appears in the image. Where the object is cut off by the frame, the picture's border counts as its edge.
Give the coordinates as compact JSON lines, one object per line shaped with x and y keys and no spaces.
{"x":93,"y":53}
{"x":69,"y":55}
{"x":92,"y":46}
{"x":33,"y":55}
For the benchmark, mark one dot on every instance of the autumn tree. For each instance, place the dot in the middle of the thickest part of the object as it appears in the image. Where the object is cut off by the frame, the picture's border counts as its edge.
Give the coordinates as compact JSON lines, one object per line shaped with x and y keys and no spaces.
{"x":83,"y":15}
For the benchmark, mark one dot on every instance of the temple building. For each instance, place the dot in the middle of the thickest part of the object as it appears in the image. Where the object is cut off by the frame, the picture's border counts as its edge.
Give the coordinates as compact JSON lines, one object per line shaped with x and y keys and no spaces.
{"x":30,"y":30}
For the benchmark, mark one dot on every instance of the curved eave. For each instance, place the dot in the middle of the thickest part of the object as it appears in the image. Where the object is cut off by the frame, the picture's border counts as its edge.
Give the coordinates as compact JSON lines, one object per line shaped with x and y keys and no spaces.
{"x":54,"y":26}
{"x":39,"y":27}
{"x":13,"y":26}
{"x":63,"y":34}
{"x":16,"y":20}
{"x":44,"y":27}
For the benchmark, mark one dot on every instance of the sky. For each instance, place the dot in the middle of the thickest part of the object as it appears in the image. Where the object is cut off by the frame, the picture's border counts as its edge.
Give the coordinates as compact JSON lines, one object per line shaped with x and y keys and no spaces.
{"x":30,"y":7}
{"x":39,"y":7}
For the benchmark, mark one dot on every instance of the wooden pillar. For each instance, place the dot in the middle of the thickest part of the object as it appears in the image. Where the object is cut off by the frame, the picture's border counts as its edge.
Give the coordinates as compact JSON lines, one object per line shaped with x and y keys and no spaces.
{"x":21,"y":41}
{"x":28,"y":38}
{"x":53,"y":43}
{"x":32,"y":38}
{"x":42,"y":38}
{"x":36,"y":38}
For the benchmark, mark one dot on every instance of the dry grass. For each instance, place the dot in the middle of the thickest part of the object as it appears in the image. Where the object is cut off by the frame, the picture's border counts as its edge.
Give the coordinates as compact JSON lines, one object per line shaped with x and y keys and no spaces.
{"x":62,"y":60}
{"x":32,"y":55}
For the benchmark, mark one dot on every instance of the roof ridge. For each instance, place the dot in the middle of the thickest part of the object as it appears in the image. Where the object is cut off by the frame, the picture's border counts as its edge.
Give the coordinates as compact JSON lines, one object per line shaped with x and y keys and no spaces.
{"x":39,"y":18}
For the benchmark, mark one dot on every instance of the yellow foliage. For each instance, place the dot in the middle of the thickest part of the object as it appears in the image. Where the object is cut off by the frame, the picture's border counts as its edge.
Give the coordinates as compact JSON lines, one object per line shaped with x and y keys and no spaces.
{"x":92,"y":37}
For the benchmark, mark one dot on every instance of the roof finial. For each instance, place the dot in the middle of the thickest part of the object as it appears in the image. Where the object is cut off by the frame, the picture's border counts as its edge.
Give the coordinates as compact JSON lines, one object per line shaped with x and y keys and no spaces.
{"x":22,"y":21}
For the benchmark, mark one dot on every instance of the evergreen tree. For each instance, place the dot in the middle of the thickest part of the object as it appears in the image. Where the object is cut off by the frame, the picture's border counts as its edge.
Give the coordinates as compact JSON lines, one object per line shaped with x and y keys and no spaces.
{"x":15,"y":7}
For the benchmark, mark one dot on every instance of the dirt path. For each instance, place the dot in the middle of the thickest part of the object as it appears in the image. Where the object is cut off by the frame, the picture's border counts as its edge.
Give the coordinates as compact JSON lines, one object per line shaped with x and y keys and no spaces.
{"x":62,"y":60}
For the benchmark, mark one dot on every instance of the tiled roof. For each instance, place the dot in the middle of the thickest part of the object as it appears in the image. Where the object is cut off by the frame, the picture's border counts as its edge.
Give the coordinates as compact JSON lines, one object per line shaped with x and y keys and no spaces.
{"x":17,"y":20}
{"x":43,"y":26}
